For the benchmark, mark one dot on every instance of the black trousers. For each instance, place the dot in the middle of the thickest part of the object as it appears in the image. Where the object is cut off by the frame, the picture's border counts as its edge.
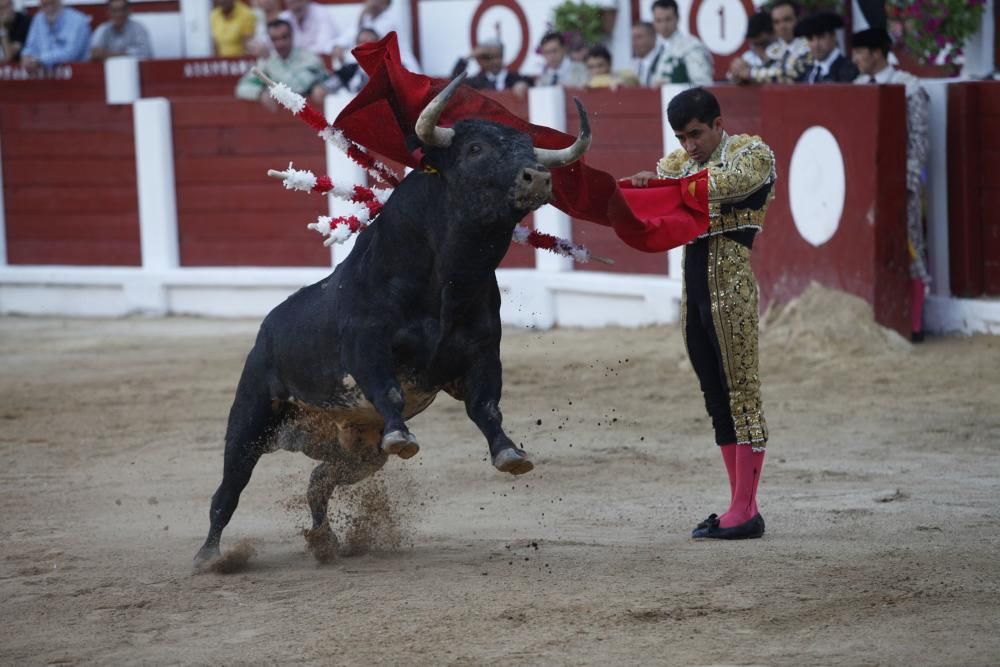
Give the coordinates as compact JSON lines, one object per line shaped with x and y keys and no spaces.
{"x":701,"y":338}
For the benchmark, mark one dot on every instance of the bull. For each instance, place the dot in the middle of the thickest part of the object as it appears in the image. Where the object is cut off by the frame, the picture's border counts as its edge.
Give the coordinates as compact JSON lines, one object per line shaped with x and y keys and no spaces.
{"x":338,"y":367}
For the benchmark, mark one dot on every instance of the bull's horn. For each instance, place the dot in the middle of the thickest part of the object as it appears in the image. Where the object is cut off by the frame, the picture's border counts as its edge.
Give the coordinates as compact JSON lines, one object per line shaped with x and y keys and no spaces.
{"x":427,"y":127}
{"x":569,"y":155}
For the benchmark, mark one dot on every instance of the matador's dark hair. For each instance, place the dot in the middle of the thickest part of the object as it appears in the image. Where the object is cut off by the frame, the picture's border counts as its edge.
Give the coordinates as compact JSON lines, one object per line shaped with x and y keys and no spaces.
{"x":693,"y":104}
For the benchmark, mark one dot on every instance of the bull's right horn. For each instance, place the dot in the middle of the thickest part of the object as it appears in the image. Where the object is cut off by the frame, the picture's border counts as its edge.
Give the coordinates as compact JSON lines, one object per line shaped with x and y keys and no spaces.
{"x":426,"y":126}
{"x":570,"y":154}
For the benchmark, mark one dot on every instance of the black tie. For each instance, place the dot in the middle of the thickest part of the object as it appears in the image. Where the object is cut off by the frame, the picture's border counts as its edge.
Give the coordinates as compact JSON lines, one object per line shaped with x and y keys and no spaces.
{"x":871,"y":79}
{"x":815,"y":74}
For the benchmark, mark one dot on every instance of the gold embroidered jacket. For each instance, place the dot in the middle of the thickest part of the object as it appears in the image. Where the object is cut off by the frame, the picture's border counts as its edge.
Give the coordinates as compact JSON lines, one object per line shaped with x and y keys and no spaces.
{"x":740,"y":178}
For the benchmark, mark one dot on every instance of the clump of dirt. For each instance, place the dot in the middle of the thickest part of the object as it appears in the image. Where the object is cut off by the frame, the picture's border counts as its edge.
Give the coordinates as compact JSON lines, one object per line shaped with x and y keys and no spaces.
{"x":235,"y":559}
{"x":825,"y":323}
{"x":374,"y":515}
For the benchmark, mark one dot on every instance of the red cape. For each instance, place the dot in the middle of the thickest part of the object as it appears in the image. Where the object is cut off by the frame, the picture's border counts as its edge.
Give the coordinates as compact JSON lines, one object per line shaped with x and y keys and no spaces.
{"x":667,"y":214}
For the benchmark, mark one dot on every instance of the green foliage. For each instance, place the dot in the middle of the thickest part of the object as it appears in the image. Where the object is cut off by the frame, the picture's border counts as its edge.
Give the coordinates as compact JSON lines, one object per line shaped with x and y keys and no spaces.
{"x":935,"y":29}
{"x":578,"y":21}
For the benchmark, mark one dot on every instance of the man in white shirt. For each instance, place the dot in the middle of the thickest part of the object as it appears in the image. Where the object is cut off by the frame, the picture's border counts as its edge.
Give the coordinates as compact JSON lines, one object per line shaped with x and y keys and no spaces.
{"x":646,"y":52}
{"x":314,"y":29}
{"x":685,"y":59}
{"x":560,"y":69}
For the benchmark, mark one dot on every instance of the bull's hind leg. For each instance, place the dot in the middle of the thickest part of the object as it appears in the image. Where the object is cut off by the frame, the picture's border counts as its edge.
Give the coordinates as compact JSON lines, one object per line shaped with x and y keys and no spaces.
{"x":252,"y":419}
{"x":320,"y":538}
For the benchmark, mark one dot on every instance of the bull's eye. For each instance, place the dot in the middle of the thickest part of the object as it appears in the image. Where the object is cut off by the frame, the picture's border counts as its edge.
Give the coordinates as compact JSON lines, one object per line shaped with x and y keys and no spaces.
{"x":475,"y":149}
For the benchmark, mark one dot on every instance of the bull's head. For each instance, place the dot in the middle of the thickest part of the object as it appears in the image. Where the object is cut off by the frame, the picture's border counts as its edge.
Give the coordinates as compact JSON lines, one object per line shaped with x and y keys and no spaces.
{"x":492,"y":164}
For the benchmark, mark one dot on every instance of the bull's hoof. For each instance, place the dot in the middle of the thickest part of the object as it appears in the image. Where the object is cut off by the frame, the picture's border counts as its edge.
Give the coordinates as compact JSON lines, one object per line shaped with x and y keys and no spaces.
{"x":322,"y":543}
{"x":513,"y":460}
{"x":403,"y":445}
{"x":205,"y":556}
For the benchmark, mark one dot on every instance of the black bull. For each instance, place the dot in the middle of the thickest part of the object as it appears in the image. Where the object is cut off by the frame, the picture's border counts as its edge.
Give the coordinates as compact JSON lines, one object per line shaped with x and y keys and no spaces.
{"x":340,"y":365}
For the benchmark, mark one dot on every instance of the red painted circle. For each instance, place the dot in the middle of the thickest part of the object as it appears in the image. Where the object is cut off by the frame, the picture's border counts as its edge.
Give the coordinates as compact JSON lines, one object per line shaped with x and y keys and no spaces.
{"x":514,"y":65}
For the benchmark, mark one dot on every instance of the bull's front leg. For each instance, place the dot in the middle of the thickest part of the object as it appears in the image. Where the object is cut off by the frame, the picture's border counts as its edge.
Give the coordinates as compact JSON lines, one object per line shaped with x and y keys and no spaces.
{"x":480,"y":389}
{"x":370,"y":363}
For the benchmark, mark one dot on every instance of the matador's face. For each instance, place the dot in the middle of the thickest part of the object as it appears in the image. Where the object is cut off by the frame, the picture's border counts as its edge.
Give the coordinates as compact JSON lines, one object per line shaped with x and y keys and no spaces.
{"x":699,"y":139}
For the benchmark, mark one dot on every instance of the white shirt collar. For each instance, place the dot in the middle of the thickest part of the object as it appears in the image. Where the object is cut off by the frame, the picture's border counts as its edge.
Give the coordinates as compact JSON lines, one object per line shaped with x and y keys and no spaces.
{"x":884,"y":75}
{"x":824,"y":66}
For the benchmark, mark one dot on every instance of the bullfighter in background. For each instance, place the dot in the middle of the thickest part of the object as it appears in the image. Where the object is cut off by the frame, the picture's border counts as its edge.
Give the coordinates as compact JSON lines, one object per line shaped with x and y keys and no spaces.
{"x":719,"y":305}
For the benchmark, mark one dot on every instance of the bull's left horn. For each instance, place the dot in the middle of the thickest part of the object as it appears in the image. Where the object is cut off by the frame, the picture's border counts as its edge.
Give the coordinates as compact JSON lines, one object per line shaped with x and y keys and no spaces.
{"x":426,"y":125}
{"x":569,"y":155}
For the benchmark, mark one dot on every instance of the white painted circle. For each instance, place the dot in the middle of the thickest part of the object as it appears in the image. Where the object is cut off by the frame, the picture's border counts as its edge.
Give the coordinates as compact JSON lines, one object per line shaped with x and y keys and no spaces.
{"x":722,"y":25}
{"x":817,"y":185}
{"x":503,"y":20}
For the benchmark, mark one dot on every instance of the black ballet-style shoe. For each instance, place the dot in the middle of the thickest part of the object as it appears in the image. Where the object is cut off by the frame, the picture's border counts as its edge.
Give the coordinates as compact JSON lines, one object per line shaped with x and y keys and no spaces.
{"x":917,"y":336}
{"x":709,"y":529}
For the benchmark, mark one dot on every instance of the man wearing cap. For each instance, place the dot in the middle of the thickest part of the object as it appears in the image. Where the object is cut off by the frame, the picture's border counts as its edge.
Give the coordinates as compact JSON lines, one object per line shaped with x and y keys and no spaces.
{"x":870,"y":51}
{"x":829,"y":64}
{"x":719,"y":303}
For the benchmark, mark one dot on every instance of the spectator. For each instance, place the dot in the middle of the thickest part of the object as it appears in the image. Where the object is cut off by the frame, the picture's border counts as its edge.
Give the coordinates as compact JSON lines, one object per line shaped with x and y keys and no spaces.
{"x":376,"y":16}
{"x":829,"y":64}
{"x":13,"y":32}
{"x":233,"y":26}
{"x":646,"y":52}
{"x":559,"y":69}
{"x":314,"y":29}
{"x":120,"y":35}
{"x":685,"y":59}
{"x":760,"y":37}
{"x":298,"y":69}
{"x":57,"y":35}
{"x":492,"y":74}
{"x":349,"y":76}
{"x":598,"y":63}
{"x":870,"y":51}
{"x":789,"y":55}
{"x":265,"y":11}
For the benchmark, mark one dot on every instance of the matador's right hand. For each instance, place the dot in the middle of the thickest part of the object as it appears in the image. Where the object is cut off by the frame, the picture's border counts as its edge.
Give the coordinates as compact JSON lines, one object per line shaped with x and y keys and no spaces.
{"x":643,"y":178}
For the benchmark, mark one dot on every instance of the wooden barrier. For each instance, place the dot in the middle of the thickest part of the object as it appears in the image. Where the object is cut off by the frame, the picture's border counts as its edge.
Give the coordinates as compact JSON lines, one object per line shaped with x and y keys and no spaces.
{"x":192,"y":78}
{"x":229,"y":213}
{"x":75,"y":82}
{"x":974,"y":188}
{"x":69,"y":184}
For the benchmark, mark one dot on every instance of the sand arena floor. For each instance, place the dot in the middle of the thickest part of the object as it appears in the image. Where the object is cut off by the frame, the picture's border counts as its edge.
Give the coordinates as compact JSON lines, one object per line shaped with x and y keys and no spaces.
{"x":880,"y":491}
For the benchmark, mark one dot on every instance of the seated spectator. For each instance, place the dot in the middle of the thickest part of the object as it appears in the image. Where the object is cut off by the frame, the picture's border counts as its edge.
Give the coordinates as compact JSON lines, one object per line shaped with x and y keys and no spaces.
{"x":298,"y":69}
{"x":829,"y":64}
{"x":598,"y":63}
{"x":13,"y":32}
{"x":492,"y":74}
{"x":646,"y":52}
{"x":348,"y":75}
{"x":559,"y":69}
{"x":685,"y":59}
{"x":377,"y":17}
{"x":314,"y":29}
{"x":789,"y":55}
{"x":265,"y":11}
{"x":120,"y":35}
{"x":233,"y":26}
{"x":57,"y":35}
{"x":760,"y":37}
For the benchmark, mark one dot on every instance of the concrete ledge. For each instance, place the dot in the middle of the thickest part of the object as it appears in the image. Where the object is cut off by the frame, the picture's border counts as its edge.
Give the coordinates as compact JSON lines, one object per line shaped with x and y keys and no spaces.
{"x":968,"y":316}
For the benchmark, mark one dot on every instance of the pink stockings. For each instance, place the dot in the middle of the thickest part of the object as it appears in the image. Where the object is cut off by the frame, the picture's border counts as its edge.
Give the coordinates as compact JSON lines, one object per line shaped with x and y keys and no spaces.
{"x":744,"y":466}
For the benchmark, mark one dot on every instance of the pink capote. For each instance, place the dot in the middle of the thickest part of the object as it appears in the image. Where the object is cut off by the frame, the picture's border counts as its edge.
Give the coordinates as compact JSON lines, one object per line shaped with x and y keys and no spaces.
{"x":667,"y":214}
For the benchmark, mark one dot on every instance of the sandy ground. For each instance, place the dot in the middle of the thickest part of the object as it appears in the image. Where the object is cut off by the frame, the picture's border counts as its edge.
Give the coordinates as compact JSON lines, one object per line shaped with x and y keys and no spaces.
{"x":880,"y":493}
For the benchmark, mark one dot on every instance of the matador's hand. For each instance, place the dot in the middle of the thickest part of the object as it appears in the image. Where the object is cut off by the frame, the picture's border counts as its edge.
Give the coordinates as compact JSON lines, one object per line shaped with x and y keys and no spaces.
{"x":643,"y":178}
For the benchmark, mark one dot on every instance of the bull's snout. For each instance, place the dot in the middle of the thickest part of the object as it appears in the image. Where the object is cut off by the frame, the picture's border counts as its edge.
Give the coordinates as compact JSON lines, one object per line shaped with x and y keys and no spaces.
{"x":533,"y":187}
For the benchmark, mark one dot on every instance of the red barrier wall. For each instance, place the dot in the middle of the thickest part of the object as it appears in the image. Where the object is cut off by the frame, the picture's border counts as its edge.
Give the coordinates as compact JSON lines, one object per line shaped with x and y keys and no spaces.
{"x":628,"y":137}
{"x":974,"y":188}
{"x":229,"y":213}
{"x":77,"y":82}
{"x":69,"y":184}
{"x":192,"y":78}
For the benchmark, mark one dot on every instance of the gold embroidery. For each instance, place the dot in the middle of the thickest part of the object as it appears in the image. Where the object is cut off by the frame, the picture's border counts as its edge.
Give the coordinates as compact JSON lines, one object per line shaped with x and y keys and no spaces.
{"x":733,"y":294}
